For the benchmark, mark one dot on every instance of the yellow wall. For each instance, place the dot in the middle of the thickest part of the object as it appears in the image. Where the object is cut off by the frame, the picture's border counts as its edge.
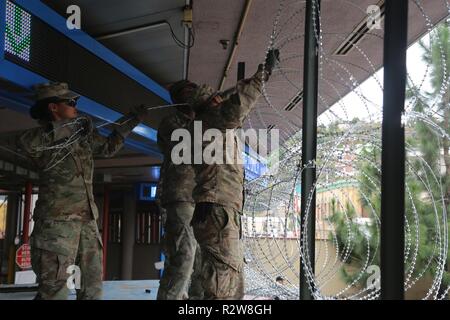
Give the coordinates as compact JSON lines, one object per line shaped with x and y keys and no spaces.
{"x":342,"y":195}
{"x":3,"y":218}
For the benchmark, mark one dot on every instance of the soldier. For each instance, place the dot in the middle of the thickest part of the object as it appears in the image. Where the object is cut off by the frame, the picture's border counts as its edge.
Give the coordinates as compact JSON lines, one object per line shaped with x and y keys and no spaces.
{"x":218,"y":193}
{"x":176,"y":185}
{"x":65,"y":231}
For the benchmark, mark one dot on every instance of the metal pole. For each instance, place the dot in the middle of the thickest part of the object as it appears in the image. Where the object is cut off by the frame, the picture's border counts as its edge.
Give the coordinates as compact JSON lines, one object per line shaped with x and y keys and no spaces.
{"x":128,"y":235}
{"x":186,"y":50}
{"x":105,"y":227}
{"x":237,"y":37}
{"x":11,"y":264}
{"x":27,"y":212}
{"x":393,"y":151}
{"x":11,"y":232}
{"x":154,"y":25}
{"x":309,"y":142}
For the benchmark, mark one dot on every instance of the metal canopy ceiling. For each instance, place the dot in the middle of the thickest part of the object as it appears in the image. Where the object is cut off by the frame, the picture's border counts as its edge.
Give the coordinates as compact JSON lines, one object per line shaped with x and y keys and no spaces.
{"x":154,"y":52}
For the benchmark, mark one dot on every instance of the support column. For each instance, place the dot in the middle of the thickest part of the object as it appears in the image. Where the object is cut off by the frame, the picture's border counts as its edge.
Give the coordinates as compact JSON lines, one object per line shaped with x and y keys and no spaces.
{"x":105,"y":228}
{"x":128,"y":235}
{"x":11,"y":231}
{"x":393,"y":151}
{"x":27,"y":212}
{"x":309,"y":142}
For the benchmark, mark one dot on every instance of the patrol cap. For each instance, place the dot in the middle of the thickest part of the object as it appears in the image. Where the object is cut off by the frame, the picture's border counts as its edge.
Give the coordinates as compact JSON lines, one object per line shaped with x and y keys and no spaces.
{"x":46,"y":93}
{"x":58,"y":90}
{"x":202,"y":96}
{"x":177,"y":88}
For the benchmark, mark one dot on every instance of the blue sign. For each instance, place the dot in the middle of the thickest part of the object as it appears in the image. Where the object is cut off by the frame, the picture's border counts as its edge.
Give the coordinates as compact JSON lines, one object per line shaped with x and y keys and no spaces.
{"x":147,"y":191}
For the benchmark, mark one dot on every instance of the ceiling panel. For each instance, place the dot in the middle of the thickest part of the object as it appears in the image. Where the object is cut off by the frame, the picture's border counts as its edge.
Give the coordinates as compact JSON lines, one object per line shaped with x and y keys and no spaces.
{"x":154,"y":51}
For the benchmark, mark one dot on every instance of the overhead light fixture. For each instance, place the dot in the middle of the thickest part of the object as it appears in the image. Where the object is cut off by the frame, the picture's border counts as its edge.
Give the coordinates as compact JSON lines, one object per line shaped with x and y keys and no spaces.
{"x":294,"y":101}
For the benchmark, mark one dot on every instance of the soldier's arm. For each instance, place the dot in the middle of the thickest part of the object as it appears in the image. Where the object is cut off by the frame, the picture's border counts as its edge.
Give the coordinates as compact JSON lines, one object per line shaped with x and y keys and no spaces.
{"x":163,"y":140}
{"x":162,"y":147}
{"x":247,"y":92}
{"x":244,"y":97}
{"x":109,"y":146}
{"x":11,"y":144}
{"x":56,"y":134}
{"x":164,"y":137}
{"x":160,"y":186}
{"x":30,"y":141}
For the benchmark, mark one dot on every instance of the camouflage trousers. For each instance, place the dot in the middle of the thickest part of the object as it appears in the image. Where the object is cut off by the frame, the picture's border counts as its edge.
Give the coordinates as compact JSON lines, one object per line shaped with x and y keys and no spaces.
{"x":181,"y":277}
{"x":219,"y":234}
{"x":59,"y":249}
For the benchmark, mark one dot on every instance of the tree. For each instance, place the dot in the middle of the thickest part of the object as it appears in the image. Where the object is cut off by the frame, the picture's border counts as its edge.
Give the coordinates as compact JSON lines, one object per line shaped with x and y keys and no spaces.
{"x":436,"y":104}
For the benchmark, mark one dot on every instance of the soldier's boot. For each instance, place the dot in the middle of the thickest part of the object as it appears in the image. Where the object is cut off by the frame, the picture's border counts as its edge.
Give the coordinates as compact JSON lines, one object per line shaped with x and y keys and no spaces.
{"x":173,"y":286}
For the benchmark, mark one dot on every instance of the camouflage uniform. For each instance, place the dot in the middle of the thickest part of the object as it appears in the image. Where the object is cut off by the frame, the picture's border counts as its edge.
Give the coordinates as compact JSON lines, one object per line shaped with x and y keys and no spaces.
{"x":65,"y":231}
{"x":179,"y":245}
{"x":219,"y":196}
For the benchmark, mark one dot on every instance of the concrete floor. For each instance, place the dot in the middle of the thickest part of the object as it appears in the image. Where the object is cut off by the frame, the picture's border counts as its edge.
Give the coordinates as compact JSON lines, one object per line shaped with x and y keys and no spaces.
{"x":112,"y":290}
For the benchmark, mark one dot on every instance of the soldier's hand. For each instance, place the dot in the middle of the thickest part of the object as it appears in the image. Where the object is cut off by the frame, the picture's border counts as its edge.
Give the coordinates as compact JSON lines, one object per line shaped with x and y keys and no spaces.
{"x":140,"y":112}
{"x":218,"y":100}
{"x":272,"y":60}
{"x":84,"y":126}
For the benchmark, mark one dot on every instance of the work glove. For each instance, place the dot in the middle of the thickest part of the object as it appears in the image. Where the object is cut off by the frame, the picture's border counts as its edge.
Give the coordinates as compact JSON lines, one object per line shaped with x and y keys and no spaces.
{"x":272,"y":60}
{"x":140,"y":112}
{"x":85,"y":126}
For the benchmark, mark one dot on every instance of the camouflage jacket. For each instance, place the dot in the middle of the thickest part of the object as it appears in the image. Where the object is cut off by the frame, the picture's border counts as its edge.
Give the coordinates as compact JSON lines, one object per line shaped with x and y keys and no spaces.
{"x":223,"y":183}
{"x":177,"y":181}
{"x":66,"y":173}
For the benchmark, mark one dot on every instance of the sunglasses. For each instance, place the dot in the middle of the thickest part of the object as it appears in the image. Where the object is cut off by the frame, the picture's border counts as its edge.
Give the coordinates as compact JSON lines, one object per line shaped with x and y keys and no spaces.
{"x":71,"y":102}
